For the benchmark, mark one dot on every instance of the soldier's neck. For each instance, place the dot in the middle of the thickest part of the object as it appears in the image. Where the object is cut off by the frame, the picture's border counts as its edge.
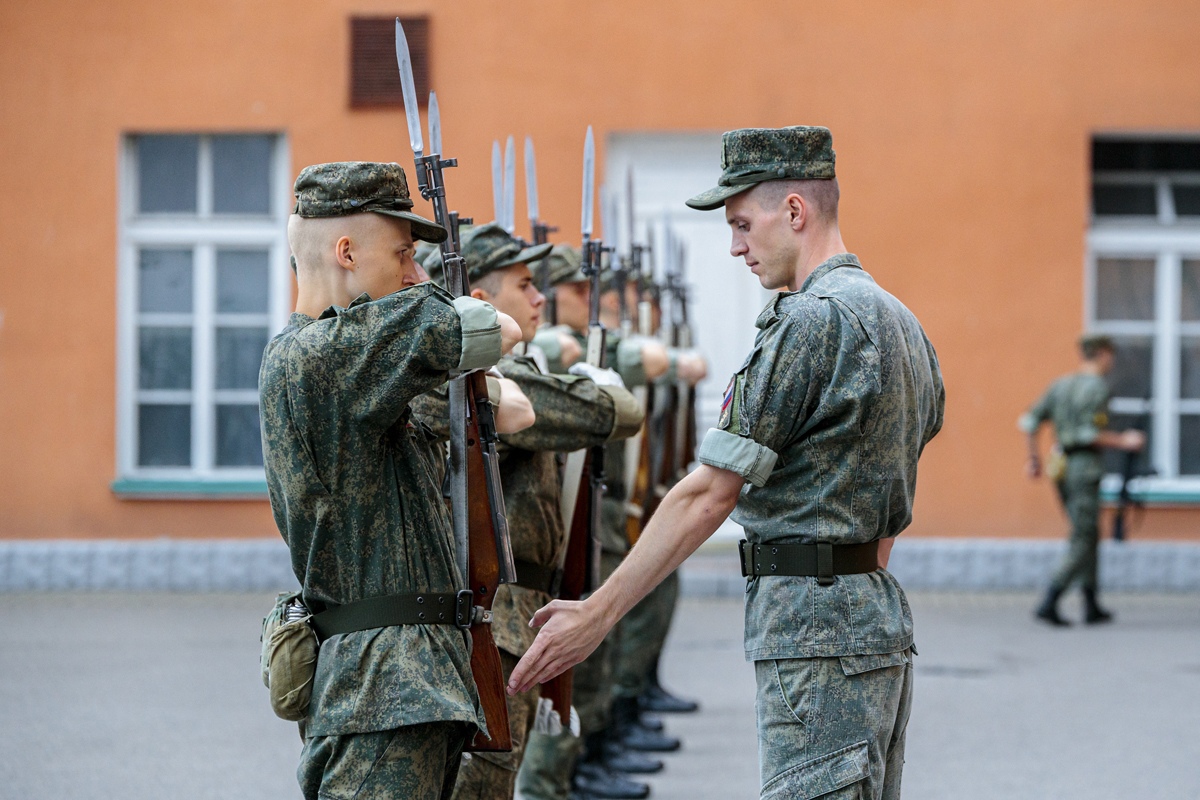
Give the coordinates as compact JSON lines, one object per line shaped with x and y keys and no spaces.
{"x":824,"y":245}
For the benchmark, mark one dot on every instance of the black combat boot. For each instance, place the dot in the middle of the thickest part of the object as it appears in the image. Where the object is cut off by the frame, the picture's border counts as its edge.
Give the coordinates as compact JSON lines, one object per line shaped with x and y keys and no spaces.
{"x":1092,"y":612}
{"x":657,"y":699}
{"x":631,"y":734}
{"x":1048,"y":610}
{"x":622,"y":759}
{"x":593,"y":778}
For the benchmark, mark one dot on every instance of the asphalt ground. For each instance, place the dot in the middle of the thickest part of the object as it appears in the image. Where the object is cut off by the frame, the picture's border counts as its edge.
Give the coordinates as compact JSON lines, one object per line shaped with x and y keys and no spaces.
{"x":154,"y":696}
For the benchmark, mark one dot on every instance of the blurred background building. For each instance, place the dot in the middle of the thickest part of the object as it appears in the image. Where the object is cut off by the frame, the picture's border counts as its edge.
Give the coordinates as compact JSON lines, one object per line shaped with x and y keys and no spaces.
{"x":1016,"y":173}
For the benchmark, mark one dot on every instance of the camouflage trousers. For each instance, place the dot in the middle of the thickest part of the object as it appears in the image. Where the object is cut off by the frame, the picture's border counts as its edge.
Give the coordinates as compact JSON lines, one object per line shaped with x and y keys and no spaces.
{"x":833,"y":728}
{"x":1080,"y":494}
{"x":417,"y":762}
{"x":643,"y":634}
{"x":492,"y":776}
{"x":550,"y":760}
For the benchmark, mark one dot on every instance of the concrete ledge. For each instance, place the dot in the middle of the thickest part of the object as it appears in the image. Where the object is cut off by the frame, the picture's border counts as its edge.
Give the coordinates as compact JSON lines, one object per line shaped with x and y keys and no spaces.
{"x":258,"y":565}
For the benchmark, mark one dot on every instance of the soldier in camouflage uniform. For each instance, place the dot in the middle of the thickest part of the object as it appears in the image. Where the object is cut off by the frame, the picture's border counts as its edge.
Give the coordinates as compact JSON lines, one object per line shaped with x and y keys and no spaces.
{"x":825,"y":421}
{"x":1077,"y":406}
{"x":350,"y":479}
{"x":573,"y":412}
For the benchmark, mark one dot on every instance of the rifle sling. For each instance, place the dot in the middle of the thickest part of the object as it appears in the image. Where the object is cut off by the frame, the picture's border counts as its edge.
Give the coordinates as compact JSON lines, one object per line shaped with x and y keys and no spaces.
{"x":423,"y":608}
{"x":539,"y":578}
{"x":821,"y":561}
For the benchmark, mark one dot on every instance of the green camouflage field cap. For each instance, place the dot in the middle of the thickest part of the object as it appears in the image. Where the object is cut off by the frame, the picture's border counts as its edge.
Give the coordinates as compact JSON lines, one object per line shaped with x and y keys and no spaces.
{"x":351,"y":187}
{"x":563,"y":265}
{"x":486,"y":248}
{"x":750,"y":156}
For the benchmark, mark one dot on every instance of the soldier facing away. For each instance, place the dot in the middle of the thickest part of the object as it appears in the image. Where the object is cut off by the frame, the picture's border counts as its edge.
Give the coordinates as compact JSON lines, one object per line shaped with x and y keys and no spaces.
{"x":825,"y":421}
{"x":1077,"y":406}
{"x":352,"y":486}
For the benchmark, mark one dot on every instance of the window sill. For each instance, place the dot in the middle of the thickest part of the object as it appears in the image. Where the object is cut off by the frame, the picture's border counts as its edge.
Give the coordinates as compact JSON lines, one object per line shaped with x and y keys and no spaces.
{"x":1151,"y":492}
{"x":148,"y":489}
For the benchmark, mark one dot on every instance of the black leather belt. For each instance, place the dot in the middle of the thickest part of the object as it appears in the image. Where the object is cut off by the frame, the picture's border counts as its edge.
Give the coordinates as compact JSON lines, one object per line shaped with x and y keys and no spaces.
{"x":538,"y":577}
{"x":421,"y":608}
{"x":821,"y":561}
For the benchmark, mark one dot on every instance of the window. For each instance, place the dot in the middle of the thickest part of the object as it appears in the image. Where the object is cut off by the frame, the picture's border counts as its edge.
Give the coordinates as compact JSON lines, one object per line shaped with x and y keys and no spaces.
{"x":1143,"y":289}
{"x":204,"y":283}
{"x":374,"y":75}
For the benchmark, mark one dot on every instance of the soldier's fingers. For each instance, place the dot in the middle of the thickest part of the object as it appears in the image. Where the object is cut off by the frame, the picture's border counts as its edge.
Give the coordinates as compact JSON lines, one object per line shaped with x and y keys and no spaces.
{"x":543,"y":614}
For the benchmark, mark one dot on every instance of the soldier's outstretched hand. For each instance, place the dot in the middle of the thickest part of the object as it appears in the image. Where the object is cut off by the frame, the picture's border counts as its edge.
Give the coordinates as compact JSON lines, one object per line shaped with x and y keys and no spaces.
{"x":570,"y":631}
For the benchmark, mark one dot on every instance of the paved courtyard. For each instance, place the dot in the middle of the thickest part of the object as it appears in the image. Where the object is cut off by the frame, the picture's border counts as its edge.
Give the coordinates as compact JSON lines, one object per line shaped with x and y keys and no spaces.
{"x":155,"y":695}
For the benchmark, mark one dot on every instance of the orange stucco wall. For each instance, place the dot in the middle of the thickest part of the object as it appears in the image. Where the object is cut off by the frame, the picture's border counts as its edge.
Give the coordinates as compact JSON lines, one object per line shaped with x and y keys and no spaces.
{"x":962,"y":131}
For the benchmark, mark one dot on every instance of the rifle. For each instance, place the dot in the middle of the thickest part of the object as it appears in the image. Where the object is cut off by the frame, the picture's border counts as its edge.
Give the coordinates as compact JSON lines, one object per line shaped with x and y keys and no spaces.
{"x":477,"y":500}
{"x":539,"y":230}
{"x":685,"y":432}
{"x":1131,"y":470}
{"x":642,"y":499}
{"x":583,"y":481}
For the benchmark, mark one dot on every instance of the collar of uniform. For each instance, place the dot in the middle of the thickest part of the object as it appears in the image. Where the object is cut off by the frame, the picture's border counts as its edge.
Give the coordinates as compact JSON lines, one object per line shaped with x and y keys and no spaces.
{"x":829,"y":265}
{"x":334,"y":310}
{"x":298,"y":319}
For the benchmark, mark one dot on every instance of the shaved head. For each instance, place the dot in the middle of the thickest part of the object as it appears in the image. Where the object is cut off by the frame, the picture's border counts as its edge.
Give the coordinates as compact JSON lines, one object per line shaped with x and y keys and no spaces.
{"x":313,"y":239}
{"x":822,"y":195}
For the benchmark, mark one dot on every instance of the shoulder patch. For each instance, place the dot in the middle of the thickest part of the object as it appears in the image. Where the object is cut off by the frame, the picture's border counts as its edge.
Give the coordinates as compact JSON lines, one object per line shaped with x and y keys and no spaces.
{"x":727,"y":404}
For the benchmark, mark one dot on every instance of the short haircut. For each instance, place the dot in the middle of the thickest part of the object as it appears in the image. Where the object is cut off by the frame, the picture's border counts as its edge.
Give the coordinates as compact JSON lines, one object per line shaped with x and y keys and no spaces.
{"x":1092,"y":346}
{"x":491,"y":282}
{"x":822,"y":194}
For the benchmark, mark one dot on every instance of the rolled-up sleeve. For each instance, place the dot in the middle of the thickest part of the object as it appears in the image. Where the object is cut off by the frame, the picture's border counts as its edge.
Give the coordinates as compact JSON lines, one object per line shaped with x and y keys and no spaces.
{"x":746,"y":457}
{"x":480,"y":333}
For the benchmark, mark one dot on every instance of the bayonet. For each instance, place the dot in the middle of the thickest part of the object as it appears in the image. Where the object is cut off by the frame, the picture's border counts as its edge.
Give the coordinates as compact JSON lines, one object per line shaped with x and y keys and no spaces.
{"x":497,"y":184}
{"x":435,"y":125}
{"x":531,"y":188}
{"x":408,"y":88}
{"x":510,"y":187}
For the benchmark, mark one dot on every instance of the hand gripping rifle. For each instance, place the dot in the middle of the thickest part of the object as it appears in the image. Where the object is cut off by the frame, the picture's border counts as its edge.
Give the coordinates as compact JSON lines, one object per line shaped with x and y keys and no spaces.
{"x":477,"y":500}
{"x":583,"y":480}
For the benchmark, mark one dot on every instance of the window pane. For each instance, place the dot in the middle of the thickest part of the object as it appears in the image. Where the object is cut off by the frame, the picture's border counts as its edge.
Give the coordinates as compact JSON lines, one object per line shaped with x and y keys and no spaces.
{"x":165,"y":280}
{"x":1187,"y":199}
{"x":239,"y":355}
{"x":1114,"y":460}
{"x":165,"y":436}
{"x":1189,"y":293}
{"x":239,"y":443}
{"x":1125,"y":288}
{"x":242,"y":281}
{"x":1134,"y":368}
{"x":167,"y":167}
{"x":241,"y":174}
{"x":1189,"y":368}
{"x":1189,"y":444}
{"x":164,"y":358}
{"x":1125,"y":199}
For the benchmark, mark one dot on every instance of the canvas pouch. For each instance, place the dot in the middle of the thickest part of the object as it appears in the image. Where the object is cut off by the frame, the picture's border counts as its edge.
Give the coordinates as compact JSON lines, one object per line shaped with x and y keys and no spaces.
{"x":289,"y":656}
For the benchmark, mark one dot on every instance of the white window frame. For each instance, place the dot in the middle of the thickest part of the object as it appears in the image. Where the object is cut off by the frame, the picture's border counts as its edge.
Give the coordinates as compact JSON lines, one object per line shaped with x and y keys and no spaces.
{"x":1168,"y":240}
{"x":204,"y":232}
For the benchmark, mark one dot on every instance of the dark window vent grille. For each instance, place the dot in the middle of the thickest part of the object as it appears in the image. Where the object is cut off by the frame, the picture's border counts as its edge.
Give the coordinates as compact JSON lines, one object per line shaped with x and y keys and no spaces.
{"x":374,"y":78}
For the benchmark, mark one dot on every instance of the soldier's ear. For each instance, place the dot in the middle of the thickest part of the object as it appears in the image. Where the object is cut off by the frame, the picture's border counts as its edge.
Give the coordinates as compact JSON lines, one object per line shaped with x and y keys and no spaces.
{"x":480,"y":294}
{"x":797,"y":210}
{"x":343,"y":251}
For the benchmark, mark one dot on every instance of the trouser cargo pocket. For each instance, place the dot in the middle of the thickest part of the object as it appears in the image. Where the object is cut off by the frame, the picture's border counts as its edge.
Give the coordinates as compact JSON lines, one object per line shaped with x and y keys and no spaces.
{"x":841,"y":771}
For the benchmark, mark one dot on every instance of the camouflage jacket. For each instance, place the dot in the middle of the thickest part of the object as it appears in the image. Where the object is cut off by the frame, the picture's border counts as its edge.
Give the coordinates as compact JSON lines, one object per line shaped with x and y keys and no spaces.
{"x":572,"y":413}
{"x":1077,"y":406}
{"x":350,"y":476}
{"x":826,"y":420}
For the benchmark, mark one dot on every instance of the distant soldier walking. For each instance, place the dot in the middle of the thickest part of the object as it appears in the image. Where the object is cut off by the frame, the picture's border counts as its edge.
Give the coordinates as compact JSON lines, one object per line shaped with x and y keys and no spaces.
{"x":1077,"y":406}
{"x":825,"y":420}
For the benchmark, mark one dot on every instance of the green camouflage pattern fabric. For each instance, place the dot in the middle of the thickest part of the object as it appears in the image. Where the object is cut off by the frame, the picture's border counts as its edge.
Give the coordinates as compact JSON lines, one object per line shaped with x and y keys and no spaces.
{"x":833,"y":728}
{"x":493,"y":776}
{"x":351,"y":477}
{"x":545,"y":772}
{"x":485,"y":249}
{"x":416,"y":762}
{"x":572,"y":413}
{"x":643,"y":633}
{"x":562,"y":265}
{"x":750,"y":156}
{"x":1079,"y":491}
{"x":352,"y":187}
{"x":841,"y":392}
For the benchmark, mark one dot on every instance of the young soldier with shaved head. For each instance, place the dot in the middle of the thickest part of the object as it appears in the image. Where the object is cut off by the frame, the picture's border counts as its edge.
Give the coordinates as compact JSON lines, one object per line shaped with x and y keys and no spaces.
{"x":352,"y":486}
{"x":573,"y":412}
{"x":825,"y":421}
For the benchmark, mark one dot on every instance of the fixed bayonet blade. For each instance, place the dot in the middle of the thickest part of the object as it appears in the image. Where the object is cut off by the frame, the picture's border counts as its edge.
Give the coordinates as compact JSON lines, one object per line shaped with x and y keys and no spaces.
{"x":589,"y":177}
{"x":435,"y":125}
{"x":630,"y":230}
{"x":497,"y":184}
{"x":610,"y":219}
{"x":409,"y":87}
{"x":531,"y":194}
{"x":510,"y":186}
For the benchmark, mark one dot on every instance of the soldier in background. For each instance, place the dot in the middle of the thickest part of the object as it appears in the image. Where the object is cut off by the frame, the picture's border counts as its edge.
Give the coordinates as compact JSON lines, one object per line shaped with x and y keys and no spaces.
{"x":1077,"y":406}
{"x":573,"y":412}
{"x":825,"y":421}
{"x":352,"y":483}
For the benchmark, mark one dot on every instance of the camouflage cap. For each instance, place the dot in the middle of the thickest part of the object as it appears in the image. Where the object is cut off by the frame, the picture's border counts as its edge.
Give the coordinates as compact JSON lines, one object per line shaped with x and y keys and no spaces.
{"x":351,"y":187}
{"x":563,"y":265}
{"x":485,"y":249}
{"x":750,"y":156}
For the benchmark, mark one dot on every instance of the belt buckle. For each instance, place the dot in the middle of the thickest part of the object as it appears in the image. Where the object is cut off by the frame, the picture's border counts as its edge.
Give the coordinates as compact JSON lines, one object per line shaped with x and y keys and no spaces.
{"x":464,"y":607}
{"x":746,"y":558}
